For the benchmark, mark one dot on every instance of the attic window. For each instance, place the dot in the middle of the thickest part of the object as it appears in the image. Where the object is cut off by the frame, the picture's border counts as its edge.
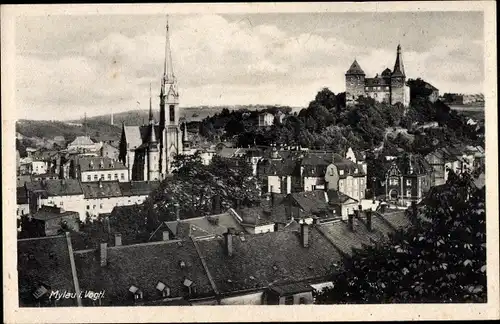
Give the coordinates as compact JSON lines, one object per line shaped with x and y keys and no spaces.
{"x":252,"y":278}
{"x":341,"y":172}
{"x":275,"y":268}
{"x":187,"y":282}
{"x":182,"y":264}
{"x":136,"y":292}
{"x":242,"y":238}
{"x":41,"y":290}
{"x":229,"y":281}
{"x":163,"y":289}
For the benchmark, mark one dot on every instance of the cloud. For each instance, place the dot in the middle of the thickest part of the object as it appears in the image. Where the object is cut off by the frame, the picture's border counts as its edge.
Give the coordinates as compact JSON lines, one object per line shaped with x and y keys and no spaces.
{"x":217,"y":61}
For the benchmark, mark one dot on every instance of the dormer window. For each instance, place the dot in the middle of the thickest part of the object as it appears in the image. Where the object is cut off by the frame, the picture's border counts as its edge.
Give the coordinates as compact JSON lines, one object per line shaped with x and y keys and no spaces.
{"x":341,"y":172}
{"x":189,"y":285}
{"x":40,"y":292}
{"x":163,"y":289}
{"x":356,"y":171}
{"x":136,"y":292}
{"x":182,"y":264}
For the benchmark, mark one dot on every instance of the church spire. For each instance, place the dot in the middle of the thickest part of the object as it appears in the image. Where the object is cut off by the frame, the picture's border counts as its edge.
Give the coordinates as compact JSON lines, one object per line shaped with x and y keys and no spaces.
{"x":168,"y":72}
{"x":399,"y":69}
{"x":151,"y":119}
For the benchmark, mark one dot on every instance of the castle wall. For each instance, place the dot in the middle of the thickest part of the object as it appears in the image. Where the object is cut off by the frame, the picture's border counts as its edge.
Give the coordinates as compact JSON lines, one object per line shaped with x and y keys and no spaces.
{"x":380,"y":96}
{"x":397,"y":91}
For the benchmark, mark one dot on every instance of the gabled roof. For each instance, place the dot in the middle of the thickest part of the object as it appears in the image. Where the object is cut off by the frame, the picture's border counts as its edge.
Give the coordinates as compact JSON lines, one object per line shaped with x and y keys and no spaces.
{"x":50,"y":212}
{"x":337,"y":197}
{"x":386,"y":73}
{"x":205,"y":226}
{"x":99,"y":163}
{"x":311,"y":202}
{"x":278,"y":167}
{"x":133,"y":136}
{"x":138,"y":188}
{"x":271,"y":258}
{"x":82,"y":140}
{"x":53,"y":187}
{"x":143,"y":265}
{"x":44,"y":260}
{"x":355,"y":69}
{"x":291,"y":288}
{"x":103,"y":189}
{"x":345,"y":240}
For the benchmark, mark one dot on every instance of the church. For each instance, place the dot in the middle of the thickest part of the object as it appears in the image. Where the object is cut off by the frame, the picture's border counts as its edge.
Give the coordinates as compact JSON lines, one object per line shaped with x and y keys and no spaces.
{"x":389,"y":86}
{"x":148,"y":151}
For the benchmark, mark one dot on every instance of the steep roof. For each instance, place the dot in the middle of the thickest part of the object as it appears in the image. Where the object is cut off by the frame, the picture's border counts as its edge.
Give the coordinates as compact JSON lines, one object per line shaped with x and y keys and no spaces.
{"x":138,"y":188}
{"x":103,"y":189}
{"x":345,"y":240}
{"x":49,"y":212}
{"x":143,"y":265}
{"x":399,"y":69}
{"x":92,"y":163}
{"x":206,"y":226}
{"x":337,"y":197}
{"x":133,"y":136}
{"x":278,"y":167}
{"x":355,"y":69}
{"x":53,"y":187}
{"x":82,"y":140}
{"x":386,"y":73}
{"x":311,"y":201}
{"x":46,"y":261}
{"x":270,"y":258}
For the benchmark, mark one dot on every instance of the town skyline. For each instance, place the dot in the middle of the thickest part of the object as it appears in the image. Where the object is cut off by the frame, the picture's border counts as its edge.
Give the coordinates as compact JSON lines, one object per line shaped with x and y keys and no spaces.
{"x":281,"y":59}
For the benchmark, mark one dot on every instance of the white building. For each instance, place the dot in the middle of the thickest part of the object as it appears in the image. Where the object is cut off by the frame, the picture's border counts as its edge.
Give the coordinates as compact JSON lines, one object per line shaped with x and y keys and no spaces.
{"x":101,"y":168}
{"x":266,"y":119}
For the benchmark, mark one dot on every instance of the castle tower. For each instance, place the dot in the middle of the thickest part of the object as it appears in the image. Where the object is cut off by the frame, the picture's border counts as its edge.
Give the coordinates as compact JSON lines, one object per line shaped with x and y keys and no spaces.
{"x":153,"y":158}
{"x":171,"y":135}
{"x":354,"y":84}
{"x":399,"y":90}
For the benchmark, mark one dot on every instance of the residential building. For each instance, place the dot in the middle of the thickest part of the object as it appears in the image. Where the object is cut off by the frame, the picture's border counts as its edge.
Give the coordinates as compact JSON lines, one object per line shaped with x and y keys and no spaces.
{"x":50,"y":220}
{"x":408,"y":179}
{"x":266,"y":119}
{"x":91,"y":169}
{"x":101,"y":197}
{"x":347,"y":177}
{"x":39,"y":166}
{"x":227,"y":269}
{"x":135,"y":192}
{"x":84,"y":145}
{"x":357,"y":157}
{"x":63,"y":193}
{"x":109,"y":151}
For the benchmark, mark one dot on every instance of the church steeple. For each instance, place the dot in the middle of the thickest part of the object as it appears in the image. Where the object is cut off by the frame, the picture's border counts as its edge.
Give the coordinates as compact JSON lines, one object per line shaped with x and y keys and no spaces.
{"x":152,"y":135}
{"x":399,"y":69}
{"x":168,"y":70}
{"x":151,"y":118}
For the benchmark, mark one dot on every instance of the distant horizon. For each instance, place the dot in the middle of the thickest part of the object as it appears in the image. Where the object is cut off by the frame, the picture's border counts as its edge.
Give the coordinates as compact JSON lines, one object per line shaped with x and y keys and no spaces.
{"x":95,"y":64}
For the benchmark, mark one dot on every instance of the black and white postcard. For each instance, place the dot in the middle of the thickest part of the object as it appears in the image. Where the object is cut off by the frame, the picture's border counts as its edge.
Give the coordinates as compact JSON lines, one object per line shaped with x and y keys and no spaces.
{"x":250,"y":162}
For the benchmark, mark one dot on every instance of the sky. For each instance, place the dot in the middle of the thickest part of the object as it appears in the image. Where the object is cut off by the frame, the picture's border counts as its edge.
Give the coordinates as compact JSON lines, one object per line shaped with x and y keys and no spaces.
{"x":70,"y":65}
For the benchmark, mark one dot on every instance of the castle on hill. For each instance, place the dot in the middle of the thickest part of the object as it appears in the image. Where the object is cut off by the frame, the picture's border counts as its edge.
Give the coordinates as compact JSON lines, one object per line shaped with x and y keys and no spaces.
{"x":389,"y":86}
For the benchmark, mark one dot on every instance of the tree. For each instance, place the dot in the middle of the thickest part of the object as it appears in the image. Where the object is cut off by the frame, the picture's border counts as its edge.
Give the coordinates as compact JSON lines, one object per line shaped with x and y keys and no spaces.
{"x":440,"y":258}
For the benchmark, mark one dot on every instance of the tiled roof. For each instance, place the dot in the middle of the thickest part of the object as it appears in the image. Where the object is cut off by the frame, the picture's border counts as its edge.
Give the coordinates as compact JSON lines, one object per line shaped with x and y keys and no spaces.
{"x":43,"y":261}
{"x":291,"y":288}
{"x":345,"y":240}
{"x":102,"y":189}
{"x":52,"y":187}
{"x":281,"y":167}
{"x":82,"y":140}
{"x":397,"y":219}
{"x":386,"y":73}
{"x":337,"y":197}
{"x":49,"y":212}
{"x":227,"y":152}
{"x":99,"y":163}
{"x":311,"y":202}
{"x":206,"y":226}
{"x":133,"y":136}
{"x":270,"y":258}
{"x":143,"y":265}
{"x":355,"y":68}
{"x":255,"y":216}
{"x":138,"y":188}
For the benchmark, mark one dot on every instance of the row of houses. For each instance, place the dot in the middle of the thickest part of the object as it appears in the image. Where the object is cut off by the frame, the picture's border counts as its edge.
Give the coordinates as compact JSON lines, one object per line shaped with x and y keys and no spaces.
{"x":87,"y":199}
{"x":223,"y":268}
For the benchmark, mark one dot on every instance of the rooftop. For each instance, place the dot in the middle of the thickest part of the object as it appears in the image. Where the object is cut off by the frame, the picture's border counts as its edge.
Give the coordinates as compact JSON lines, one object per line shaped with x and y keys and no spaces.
{"x":99,"y":163}
{"x":50,"y":212}
{"x":53,"y":187}
{"x":101,"y":189}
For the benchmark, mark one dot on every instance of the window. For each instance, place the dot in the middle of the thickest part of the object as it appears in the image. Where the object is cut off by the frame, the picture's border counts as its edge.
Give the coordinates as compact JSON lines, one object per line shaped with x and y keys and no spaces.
{"x":393,"y":182}
{"x":61,"y":203}
{"x":100,"y":206}
{"x":116,"y":176}
{"x":408,"y":182}
{"x":289,"y":300}
{"x":362,"y":181}
{"x":88,"y":206}
{"x":95,"y":177}
{"x":172,"y":113}
{"x":93,"y":207}
{"x":302,"y":300}
{"x":341,"y":172}
{"x":89,"y":178}
{"x":102,"y":176}
{"x":122,"y":176}
{"x":356,"y":171}
{"x":109,"y":176}
{"x":408,"y":193}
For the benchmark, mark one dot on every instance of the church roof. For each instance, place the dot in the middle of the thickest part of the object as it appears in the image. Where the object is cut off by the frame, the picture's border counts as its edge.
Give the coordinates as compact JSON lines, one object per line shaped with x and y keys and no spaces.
{"x":355,"y":68}
{"x":138,"y":135}
{"x":386,"y":73}
{"x":399,"y":69}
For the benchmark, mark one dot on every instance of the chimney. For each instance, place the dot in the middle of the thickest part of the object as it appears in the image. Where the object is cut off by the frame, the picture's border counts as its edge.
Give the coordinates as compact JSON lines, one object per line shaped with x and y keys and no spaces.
{"x":166,"y":235}
{"x":177,"y":216}
{"x":315,"y":220}
{"x":369,"y":220}
{"x":228,"y":240}
{"x":104,"y":254}
{"x":118,"y":239}
{"x":350,"y":222}
{"x":304,"y":234}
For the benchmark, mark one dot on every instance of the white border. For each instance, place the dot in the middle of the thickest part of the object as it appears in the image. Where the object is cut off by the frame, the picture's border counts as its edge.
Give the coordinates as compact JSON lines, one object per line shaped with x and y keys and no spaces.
{"x":244,"y":313}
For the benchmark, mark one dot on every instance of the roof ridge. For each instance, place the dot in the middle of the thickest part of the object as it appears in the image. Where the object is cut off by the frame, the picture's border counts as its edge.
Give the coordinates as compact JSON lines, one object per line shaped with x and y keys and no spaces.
{"x":74,"y":273}
{"x":205,"y":267}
